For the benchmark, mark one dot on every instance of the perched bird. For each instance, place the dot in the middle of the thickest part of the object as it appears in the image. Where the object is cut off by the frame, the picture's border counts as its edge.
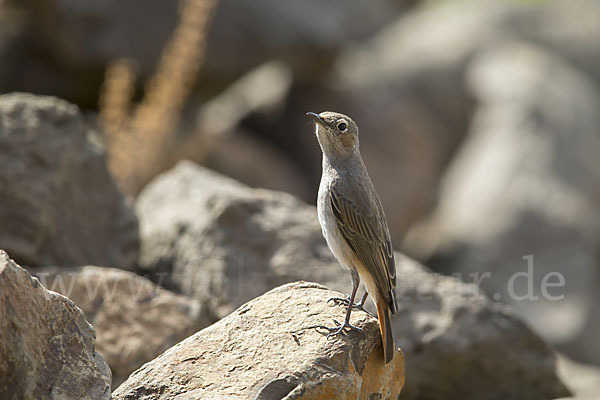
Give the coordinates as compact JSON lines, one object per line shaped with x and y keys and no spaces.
{"x":353,"y":223}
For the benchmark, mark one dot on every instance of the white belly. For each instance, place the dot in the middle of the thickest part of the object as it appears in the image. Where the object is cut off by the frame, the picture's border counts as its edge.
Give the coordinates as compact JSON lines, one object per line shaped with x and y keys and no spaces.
{"x":337,"y":244}
{"x":333,"y":236}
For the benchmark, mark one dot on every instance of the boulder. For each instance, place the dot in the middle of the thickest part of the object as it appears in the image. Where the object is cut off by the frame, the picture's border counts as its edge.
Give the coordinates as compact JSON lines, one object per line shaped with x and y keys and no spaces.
{"x":520,"y":201}
{"x":225,"y":243}
{"x":58,"y":203}
{"x":460,"y":345}
{"x":135,"y":319}
{"x":267,"y":349}
{"x":407,"y":86}
{"x":46,"y":344}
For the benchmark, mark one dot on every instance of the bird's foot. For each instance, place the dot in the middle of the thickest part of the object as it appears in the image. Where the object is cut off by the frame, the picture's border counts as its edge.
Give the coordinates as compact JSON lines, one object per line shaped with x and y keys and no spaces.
{"x":339,"y":328}
{"x":346,"y":302}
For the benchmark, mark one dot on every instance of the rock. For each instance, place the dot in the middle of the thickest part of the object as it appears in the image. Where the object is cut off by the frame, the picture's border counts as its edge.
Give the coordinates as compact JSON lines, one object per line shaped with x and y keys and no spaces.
{"x":583,"y":380}
{"x":520,"y":201}
{"x":225,"y":243}
{"x":135,"y":319}
{"x":46,"y":344}
{"x":460,"y":345}
{"x":58,"y":203}
{"x":266,"y":350}
{"x":406,"y":86}
{"x":409,"y":47}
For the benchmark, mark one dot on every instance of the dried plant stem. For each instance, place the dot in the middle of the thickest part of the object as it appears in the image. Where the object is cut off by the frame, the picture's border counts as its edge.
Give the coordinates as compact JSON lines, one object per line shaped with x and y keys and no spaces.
{"x":135,"y":141}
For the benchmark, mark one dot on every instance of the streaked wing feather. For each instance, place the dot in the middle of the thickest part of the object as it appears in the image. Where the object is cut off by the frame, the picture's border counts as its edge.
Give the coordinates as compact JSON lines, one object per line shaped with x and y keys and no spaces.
{"x":370,"y":242}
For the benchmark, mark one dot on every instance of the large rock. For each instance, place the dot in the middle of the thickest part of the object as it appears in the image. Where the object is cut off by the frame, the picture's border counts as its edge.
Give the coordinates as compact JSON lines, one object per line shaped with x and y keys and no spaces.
{"x":406,"y":87}
{"x":267,"y":350}
{"x":225,"y":243}
{"x":460,"y":345}
{"x":520,"y":201}
{"x":58,"y":203}
{"x":135,"y":319}
{"x":409,"y":47}
{"x":46,"y":344}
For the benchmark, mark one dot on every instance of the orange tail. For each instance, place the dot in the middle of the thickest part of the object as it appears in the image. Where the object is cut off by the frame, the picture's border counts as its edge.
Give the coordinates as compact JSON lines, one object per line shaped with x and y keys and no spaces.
{"x":385,"y":326}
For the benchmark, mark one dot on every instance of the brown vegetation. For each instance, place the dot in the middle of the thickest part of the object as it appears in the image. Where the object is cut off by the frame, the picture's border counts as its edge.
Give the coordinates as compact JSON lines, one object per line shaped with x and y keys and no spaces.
{"x":134,"y":137}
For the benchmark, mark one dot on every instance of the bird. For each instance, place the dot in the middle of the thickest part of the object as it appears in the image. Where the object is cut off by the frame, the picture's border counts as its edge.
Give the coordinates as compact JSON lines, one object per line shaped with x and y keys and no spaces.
{"x":354,"y":225}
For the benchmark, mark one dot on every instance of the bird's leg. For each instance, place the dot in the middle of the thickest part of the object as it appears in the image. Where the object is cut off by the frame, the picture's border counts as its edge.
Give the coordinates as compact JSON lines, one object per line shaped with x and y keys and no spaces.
{"x":336,"y":330}
{"x":346,"y":301}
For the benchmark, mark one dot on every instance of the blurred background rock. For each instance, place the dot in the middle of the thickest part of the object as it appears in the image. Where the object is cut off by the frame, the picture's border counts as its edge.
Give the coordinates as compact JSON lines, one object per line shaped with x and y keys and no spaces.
{"x":479,"y":118}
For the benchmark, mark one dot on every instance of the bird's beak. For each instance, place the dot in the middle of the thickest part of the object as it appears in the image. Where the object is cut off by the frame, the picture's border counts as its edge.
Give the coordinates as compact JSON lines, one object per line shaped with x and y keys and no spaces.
{"x":316,"y":118}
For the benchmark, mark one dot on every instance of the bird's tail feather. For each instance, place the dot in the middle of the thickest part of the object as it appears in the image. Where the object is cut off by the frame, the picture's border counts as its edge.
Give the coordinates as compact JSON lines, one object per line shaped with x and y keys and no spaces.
{"x":385,"y":326}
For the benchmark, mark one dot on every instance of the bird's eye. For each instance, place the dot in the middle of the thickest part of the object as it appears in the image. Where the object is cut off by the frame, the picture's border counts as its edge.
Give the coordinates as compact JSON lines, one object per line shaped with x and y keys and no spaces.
{"x":342,"y":126}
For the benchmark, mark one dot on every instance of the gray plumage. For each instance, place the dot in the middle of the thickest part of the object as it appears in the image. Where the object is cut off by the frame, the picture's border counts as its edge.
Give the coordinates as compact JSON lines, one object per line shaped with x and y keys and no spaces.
{"x":353,"y":220}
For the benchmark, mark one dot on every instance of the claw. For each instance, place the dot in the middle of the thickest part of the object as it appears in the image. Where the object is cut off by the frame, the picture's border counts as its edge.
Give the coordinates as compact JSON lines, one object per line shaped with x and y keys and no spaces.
{"x":339,"y":328}
{"x":346,"y":302}
{"x":339,"y":300}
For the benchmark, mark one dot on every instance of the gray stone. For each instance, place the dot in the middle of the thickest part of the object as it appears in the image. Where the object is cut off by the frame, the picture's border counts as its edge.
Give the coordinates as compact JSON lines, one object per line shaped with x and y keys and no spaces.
{"x":58,"y":203}
{"x":135,"y":319}
{"x":460,"y":345}
{"x":407,"y":86}
{"x":267,"y":350}
{"x":46,"y":344}
{"x":225,"y":243}
{"x":520,"y":201}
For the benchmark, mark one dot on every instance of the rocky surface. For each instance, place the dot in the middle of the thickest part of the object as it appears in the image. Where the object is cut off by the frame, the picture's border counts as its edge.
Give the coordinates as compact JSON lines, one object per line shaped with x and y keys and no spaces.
{"x":225,"y":243}
{"x":505,"y":92}
{"x":56,"y":195}
{"x":46,"y":344}
{"x":520,"y":200}
{"x":135,"y":320}
{"x":460,"y":345}
{"x":267,"y":350}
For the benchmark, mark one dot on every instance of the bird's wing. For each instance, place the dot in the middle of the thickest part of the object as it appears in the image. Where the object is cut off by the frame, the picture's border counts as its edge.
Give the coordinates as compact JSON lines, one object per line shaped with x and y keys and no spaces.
{"x":369,"y":238}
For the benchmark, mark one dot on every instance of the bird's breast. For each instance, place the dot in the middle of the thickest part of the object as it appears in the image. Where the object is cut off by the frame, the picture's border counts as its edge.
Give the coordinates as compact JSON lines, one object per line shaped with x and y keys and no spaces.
{"x":336,"y":242}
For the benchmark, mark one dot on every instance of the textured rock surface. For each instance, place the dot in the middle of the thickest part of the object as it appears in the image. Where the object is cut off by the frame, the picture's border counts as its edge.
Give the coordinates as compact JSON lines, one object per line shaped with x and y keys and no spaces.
{"x":524,"y":185}
{"x":58,"y":203}
{"x":46,"y":344}
{"x":225,"y":243}
{"x":261,"y":351}
{"x":460,"y":345}
{"x":135,"y":320}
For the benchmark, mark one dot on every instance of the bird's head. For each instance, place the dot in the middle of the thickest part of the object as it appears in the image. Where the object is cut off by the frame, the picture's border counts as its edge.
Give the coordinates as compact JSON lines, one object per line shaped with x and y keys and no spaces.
{"x":337,"y":133}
